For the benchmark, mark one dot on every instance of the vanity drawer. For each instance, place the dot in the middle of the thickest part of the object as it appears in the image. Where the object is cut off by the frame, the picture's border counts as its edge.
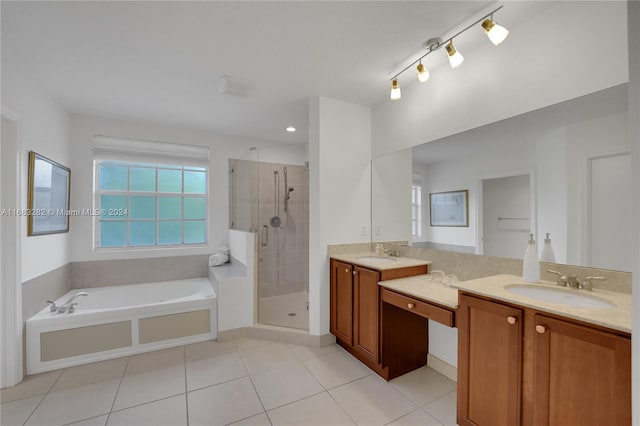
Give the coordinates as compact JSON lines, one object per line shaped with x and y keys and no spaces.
{"x":419,"y":307}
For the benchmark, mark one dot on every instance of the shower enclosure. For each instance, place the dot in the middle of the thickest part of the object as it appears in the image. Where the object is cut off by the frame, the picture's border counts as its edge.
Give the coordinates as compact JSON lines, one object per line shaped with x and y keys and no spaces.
{"x":269,"y":195}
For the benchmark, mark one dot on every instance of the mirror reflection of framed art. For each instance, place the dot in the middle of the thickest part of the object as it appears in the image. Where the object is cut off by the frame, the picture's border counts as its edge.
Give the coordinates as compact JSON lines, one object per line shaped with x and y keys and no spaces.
{"x":449,"y":208}
{"x":48,"y":197}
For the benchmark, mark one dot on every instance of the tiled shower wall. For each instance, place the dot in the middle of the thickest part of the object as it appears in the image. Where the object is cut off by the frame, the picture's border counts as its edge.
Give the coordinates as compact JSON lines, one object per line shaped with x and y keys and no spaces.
{"x":283,"y":252}
{"x":283,"y":257}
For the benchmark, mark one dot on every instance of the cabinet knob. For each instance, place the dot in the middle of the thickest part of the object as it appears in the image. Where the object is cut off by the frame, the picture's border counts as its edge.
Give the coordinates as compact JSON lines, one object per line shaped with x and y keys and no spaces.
{"x":410,"y":305}
{"x":355,"y":272}
{"x":512,"y":320}
{"x":541,"y":329}
{"x":346,"y":270}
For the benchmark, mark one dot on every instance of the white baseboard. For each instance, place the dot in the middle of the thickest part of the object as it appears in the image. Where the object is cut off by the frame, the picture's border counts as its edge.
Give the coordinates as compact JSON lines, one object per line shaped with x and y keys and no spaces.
{"x":277,"y":334}
{"x":442,"y":367}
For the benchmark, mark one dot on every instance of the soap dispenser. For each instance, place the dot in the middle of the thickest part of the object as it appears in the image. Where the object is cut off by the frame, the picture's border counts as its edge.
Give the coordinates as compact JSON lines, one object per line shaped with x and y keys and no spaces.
{"x":547,"y":251}
{"x":530,"y":263}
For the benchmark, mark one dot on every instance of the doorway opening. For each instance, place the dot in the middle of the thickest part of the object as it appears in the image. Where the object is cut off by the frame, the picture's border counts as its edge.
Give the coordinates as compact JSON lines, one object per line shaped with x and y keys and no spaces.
{"x":507,"y":216}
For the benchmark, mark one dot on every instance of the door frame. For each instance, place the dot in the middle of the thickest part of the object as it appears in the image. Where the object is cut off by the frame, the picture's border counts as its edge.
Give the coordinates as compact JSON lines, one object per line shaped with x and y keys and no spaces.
{"x":11,"y":371}
{"x":586,"y":217}
{"x":533,"y":219}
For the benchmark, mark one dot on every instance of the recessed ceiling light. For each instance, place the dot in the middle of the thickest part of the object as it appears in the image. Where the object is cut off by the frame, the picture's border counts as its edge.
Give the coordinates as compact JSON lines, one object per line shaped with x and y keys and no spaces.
{"x":291,"y":129}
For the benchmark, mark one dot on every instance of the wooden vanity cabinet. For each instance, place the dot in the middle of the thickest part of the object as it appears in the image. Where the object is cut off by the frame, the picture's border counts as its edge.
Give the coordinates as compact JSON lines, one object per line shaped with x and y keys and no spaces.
{"x":355,"y":308}
{"x":582,"y":376}
{"x":518,"y":366}
{"x":341,"y":319}
{"x":366,"y":314}
{"x":489,"y":363}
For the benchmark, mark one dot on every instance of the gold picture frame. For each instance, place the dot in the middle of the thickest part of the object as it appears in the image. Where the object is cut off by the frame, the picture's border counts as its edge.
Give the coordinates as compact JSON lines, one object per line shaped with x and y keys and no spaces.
{"x":449,"y":208}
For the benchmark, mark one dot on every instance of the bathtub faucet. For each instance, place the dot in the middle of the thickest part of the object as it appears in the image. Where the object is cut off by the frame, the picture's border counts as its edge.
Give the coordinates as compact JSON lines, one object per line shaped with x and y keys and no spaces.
{"x":69,"y":306}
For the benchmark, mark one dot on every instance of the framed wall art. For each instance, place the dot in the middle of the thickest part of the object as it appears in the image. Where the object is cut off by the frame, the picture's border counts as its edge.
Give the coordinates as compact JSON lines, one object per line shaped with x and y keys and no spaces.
{"x":449,"y":208}
{"x":48,"y":197}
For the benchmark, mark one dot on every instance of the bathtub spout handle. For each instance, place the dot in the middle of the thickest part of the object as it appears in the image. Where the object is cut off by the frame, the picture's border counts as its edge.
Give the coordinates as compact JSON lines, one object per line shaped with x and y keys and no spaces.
{"x":52,"y":305}
{"x":70,"y":305}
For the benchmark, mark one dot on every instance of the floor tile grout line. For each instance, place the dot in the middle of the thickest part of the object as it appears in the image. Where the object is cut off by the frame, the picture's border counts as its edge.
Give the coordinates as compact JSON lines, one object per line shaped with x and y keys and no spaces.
{"x":34,"y":409}
{"x":23,"y":397}
{"x":297,"y":400}
{"x":115,"y":397}
{"x":144,"y":403}
{"x":437,"y":399}
{"x":257,"y":394}
{"x":411,"y":412}
{"x":45,"y":395}
{"x":88,"y":418}
{"x":248,"y":417}
{"x":342,"y":408}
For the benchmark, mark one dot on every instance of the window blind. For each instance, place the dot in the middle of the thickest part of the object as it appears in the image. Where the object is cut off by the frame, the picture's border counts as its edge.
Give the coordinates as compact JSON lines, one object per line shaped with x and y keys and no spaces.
{"x":120,"y":149}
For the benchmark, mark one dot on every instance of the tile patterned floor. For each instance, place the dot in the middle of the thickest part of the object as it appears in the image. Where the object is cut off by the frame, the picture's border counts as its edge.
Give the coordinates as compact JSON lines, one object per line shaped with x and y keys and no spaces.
{"x":242,"y":382}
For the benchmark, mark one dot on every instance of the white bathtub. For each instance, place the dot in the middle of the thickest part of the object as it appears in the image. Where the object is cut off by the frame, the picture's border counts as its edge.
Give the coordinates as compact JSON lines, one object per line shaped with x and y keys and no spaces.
{"x":122,"y":320}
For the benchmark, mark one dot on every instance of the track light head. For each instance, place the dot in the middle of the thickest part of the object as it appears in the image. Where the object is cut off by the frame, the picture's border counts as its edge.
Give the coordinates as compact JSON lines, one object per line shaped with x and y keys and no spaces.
{"x":496,"y":33}
{"x":395,"y":90}
{"x":423,"y":73}
{"x":455,"y":57}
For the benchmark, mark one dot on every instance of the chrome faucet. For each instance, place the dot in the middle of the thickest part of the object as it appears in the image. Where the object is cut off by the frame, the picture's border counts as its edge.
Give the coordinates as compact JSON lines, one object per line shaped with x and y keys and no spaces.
{"x":392,"y":253}
{"x":572,"y":281}
{"x":562,"y":280}
{"x":587,"y":283}
{"x":69,"y":306}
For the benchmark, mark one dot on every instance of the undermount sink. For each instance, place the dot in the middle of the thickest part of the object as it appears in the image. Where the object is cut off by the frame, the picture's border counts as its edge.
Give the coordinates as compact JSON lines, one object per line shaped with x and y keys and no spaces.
{"x":560,"y":296}
{"x":376,"y":259}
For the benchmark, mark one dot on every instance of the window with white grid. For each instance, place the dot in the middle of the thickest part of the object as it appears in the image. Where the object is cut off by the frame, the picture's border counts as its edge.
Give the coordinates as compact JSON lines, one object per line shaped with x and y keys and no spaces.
{"x":416,"y":209}
{"x":149,"y":194}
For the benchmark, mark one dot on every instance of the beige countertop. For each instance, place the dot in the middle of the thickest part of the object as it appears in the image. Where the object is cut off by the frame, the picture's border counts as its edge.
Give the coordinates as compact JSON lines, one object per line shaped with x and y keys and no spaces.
{"x":380,"y":265}
{"x":421,"y":287}
{"x":617,"y":318}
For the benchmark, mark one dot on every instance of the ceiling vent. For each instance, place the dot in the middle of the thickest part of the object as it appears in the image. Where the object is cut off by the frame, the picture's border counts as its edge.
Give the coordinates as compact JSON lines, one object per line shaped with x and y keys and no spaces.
{"x":235,"y":86}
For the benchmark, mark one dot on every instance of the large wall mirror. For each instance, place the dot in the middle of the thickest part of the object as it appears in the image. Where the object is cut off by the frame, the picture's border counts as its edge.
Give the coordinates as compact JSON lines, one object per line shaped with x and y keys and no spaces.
{"x":563,"y":170}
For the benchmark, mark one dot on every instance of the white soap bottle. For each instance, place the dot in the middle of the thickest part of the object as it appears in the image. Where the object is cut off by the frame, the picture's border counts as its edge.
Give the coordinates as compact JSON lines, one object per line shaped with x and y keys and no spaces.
{"x":547,"y":251}
{"x":530,"y":263}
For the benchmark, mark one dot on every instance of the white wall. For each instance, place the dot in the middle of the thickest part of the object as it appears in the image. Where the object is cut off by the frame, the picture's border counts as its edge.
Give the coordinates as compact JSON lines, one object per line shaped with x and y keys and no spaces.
{"x":552,"y":143}
{"x":287,"y":154}
{"x":443,"y":343}
{"x":634,"y":140}
{"x":221,"y":149}
{"x":339,"y":191}
{"x":44,"y":128}
{"x":549,"y":58}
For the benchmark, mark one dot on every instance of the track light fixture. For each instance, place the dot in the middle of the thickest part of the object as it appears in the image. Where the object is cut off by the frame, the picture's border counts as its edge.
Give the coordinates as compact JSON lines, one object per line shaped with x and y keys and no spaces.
{"x":496,"y":33}
{"x":395,"y":90}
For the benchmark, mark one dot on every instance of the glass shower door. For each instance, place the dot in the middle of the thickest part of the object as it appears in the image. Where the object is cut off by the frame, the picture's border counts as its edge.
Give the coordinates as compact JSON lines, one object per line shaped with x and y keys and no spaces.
{"x":283,"y":234}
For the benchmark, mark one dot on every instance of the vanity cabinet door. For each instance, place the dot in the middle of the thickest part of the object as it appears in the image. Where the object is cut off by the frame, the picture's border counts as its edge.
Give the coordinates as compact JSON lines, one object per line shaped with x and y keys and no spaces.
{"x":366,"y":313}
{"x":341,"y":294}
{"x":582,"y":375}
{"x":489,"y":363}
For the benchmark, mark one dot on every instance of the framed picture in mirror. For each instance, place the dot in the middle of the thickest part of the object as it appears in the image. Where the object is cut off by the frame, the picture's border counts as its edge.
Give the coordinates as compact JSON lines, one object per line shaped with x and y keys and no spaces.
{"x":48,"y":196}
{"x":449,"y":208}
